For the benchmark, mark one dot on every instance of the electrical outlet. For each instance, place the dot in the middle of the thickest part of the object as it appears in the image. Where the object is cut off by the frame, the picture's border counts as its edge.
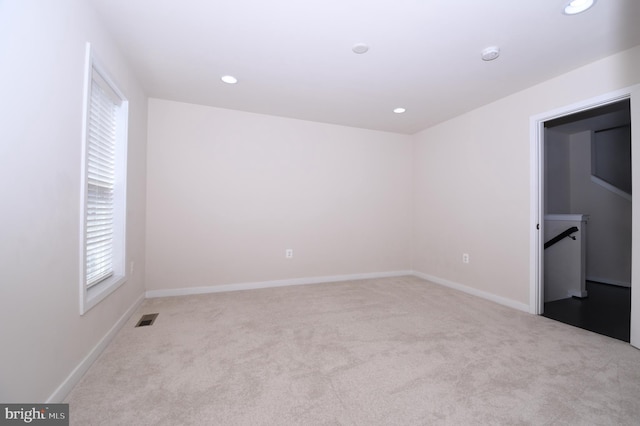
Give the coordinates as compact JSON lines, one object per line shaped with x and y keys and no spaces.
{"x":288,"y":253}
{"x":465,"y":257}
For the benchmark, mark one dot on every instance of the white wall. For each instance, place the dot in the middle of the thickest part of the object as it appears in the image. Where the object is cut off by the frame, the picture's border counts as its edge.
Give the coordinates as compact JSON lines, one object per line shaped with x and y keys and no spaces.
{"x":484,"y":159}
{"x":229,"y":191}
{"x":557,"y":180}
{"x":609,"y":237}
{"x":42,"y":54}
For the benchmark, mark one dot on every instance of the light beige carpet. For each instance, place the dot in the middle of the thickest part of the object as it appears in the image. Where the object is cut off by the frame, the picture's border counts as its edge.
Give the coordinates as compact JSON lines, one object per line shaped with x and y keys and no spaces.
{"x":394,"y":351}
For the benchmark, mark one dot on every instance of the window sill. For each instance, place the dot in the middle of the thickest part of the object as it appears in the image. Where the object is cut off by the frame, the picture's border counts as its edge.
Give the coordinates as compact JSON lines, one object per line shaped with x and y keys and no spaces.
{"x":94,"y":295}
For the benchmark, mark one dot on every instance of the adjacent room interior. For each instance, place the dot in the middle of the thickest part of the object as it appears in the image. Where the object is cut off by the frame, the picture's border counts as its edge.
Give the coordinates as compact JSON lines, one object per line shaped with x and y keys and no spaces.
{"x":338,"y":210}
{"x":588,"y":169}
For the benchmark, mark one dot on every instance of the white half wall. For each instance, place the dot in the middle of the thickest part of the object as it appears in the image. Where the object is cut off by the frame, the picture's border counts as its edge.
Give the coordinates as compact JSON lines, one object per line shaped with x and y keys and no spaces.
{"x":229,"y":191}
{"x":46,"y":344}
{"x":472,"y":186}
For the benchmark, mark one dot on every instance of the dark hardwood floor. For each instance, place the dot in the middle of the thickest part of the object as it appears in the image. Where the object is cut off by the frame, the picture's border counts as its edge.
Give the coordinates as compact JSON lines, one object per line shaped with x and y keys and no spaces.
{"x":606,"y":311}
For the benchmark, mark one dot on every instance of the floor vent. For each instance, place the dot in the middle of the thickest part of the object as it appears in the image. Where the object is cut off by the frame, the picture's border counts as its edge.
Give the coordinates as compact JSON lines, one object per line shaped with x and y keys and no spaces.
{"x":146,"y":320}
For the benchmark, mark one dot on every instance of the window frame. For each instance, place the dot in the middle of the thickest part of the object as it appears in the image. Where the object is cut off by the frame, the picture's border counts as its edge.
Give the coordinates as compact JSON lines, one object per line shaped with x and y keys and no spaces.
{"x":90,"y":296}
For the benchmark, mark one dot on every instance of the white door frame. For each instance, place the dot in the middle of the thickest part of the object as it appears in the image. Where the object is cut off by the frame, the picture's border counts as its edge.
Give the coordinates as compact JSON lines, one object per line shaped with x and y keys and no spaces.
{"x":536,"y":293}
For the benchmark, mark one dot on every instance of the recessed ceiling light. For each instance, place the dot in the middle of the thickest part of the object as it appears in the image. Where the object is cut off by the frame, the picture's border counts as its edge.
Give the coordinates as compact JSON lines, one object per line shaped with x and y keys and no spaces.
{"x":360,"y":48}
{"x":578,"y":6}
{"x":399,"y":110}
{"x":229,"y":79}
{"x":490,"y":53}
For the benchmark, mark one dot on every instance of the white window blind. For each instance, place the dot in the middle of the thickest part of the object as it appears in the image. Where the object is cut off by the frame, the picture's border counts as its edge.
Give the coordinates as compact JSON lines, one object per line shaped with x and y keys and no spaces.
{"x":103,"y":197}
{"x":101,"y":177}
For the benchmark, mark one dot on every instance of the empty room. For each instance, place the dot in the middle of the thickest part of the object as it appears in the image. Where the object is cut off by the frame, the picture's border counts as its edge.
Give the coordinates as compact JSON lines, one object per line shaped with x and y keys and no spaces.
{"x":322,"y":212}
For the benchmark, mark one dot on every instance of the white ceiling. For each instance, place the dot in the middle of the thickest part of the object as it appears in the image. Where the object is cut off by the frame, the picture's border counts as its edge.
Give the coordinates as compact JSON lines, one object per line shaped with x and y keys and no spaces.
{"x":293,"y":58}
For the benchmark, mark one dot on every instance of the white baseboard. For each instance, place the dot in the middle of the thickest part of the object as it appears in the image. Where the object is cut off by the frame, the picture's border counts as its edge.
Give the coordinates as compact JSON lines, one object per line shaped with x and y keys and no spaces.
{"x":67,"y":385}
{"x":268,"y":284}
{"x":578,"y":293}
{"x":475,"y":292}
{"x":608,"y":281}
{"x":335,"y":278}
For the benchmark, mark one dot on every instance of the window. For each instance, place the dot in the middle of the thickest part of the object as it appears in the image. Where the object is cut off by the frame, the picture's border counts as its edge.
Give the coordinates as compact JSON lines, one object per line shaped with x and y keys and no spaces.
{"x":103,"y":187}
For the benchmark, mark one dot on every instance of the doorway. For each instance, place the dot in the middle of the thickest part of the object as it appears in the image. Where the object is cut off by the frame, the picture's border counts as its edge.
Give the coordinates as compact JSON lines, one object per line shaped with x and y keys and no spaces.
{"x":583,"y":130}
{"x":587,"y":172}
